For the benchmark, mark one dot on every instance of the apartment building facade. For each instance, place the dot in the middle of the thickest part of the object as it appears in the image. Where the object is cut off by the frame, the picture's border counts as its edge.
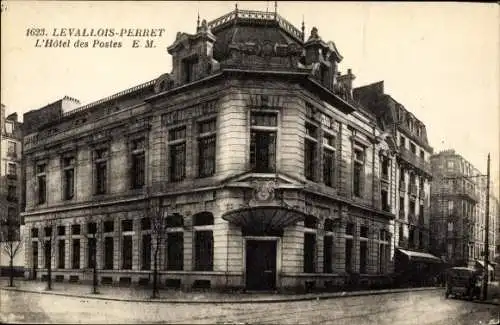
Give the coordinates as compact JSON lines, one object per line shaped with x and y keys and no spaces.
{"x":11,"y":184}
{"x":459,"y":211}
{"x":271,"y":176}
{"x":412,"y":176}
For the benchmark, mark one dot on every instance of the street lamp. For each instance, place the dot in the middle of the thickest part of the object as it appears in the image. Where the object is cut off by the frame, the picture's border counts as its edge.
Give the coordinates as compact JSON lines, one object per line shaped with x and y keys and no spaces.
{"x":95,"y":282}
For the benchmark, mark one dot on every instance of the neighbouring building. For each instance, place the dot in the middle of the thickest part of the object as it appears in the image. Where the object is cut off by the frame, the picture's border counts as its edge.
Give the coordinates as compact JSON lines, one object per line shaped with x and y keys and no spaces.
{"x":412,"y":176}
{"x":11,"y":183}
{"x":495,"y":211}
{"x":458,"y":211}
{"x":272,"y":176}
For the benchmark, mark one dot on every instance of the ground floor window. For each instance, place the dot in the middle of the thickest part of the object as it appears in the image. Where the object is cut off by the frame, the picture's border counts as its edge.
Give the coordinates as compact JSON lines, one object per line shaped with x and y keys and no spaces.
{"x":348,"y":254}
{"x":146,"y":252}
{"x":327,"y":254}
{"x":48,"y":253}
{"x":309,"y":252}
{"x":61,"y":254}
{"x":204,"y":250}
{"x":91,"y":245}
{"x":34,"y":246}
{"x":108,"y":253}
{"x":76,"y":254}
{"x":175,"y":251}
{"x":363,"y":256}
{"x":127,"y":253}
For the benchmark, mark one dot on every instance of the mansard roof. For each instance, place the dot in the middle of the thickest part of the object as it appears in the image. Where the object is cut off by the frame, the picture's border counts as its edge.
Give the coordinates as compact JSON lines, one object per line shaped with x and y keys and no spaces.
{"x":389,"y":111}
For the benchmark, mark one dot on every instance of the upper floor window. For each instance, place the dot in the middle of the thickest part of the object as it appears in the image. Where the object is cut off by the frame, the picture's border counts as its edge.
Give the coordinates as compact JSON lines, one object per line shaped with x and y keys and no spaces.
{"x":177,"y":149}
{"x":12,"y":193}
{"x":138,"y":170}
{"x":41,"y":182}
{"x":422,"y":154}
{"x":263,"y":141}
{"x":385,"y":162}
{"x":450,"y":164}
{"x":69,"y":177}
{"x":402,"y":142}
{"x":189,"y":68}
{"x":206,"y":148}
{"x":9,"y":127}
{"x":358,"y":170}
{"x":12,"y":169}
{"x":409,"y":122}
{"x":413,"y":148}
{"x":12,"y":149}
{"x":101,"y":170}
{"x":419,"y":131}
{"x":329,"y":162}
{"x":310,"y":150}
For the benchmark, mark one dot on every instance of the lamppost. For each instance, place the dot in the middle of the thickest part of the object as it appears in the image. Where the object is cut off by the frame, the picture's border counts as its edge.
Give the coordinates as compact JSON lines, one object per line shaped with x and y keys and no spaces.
{"x":486,"y":225}
{"x":95,"y":282}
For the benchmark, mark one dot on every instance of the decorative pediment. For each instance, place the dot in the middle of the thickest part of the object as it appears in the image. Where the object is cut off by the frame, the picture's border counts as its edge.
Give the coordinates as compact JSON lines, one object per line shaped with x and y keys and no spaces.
{"x":250,"y":180}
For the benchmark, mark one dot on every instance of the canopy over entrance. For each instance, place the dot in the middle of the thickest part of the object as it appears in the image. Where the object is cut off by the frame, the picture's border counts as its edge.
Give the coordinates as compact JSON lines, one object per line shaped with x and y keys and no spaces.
{"x":262,"y":219}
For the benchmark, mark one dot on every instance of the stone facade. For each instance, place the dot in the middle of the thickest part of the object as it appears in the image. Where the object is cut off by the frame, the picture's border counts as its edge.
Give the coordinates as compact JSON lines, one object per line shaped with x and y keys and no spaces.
{"x":291,"y":170}
{"x":459,"y":204}
{"x":11,"y":187}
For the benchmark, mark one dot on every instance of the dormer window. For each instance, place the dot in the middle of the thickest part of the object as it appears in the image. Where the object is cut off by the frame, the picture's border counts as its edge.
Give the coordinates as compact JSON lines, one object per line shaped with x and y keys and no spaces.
{"x":188,"y":67}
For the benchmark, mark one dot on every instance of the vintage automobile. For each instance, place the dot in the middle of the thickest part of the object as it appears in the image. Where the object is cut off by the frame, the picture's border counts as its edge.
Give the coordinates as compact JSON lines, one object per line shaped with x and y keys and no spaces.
{"x":463,"y":282}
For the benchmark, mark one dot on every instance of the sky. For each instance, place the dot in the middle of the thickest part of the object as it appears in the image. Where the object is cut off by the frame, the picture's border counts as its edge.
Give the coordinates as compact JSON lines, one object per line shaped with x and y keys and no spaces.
{"x":440,"y":60}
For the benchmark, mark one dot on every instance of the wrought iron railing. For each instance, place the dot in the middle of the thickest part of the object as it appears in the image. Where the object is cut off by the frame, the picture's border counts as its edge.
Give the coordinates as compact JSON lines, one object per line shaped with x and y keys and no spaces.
{"x":257,"y":15}
{"x":415,"y":160}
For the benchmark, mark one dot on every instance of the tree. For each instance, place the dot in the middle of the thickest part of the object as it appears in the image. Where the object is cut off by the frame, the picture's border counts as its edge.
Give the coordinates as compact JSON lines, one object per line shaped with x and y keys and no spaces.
{"x":11,"y":241}
{"x":156,"y":212}
{"x":48,"y":243}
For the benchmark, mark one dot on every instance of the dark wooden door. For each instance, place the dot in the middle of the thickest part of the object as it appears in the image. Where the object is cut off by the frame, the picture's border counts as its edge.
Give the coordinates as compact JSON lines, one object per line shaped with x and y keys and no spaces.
{"x":261,"y":264}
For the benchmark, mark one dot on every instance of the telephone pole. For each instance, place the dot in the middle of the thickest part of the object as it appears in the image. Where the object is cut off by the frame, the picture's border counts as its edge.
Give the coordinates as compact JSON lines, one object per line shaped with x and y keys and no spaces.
{"x":487,"y":232}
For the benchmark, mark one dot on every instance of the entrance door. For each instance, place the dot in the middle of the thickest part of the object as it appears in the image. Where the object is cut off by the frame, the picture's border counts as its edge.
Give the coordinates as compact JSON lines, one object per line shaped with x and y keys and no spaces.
{"x":261,"y":264}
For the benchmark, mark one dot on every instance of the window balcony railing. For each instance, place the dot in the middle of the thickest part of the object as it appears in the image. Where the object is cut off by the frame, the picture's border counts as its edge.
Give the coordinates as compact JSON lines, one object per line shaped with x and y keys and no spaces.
{"x":415,"y":160}
{"x":386,"y":207}
{"x":468,"y":193}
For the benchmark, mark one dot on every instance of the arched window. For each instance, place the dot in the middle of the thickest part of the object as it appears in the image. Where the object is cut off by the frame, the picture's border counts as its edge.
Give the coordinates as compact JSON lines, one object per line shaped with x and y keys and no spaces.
{"x":203,"y":241}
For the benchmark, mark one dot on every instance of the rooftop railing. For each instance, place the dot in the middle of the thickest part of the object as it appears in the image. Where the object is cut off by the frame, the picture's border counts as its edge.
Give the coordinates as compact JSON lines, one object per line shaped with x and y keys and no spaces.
{"x":257,"y":15}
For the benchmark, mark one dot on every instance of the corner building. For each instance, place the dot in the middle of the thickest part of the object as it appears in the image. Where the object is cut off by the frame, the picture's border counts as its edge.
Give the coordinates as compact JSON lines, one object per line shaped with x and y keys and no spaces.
{"x":269,"y":171}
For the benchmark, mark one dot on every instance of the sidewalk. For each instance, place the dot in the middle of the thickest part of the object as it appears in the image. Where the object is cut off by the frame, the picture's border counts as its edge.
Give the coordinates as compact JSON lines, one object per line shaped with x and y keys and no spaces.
{"x":135,"y":294}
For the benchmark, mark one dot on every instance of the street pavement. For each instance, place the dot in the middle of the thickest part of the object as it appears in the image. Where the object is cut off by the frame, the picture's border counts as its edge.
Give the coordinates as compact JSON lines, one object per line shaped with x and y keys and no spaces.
{"x":415,"y":307}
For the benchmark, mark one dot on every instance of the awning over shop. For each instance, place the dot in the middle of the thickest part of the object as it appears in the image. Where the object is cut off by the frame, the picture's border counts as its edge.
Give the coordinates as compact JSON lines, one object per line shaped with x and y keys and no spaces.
{"x":262,"y":218}
{"x":481,"y":263}
{"x":420,"y":256}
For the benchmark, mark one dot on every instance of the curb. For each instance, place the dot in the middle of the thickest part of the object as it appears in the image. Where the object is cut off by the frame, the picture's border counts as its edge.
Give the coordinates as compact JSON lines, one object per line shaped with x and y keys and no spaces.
{"x":232,"y":301}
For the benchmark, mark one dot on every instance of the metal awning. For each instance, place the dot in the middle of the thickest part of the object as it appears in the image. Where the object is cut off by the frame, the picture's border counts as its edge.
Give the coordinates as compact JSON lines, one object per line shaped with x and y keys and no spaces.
{"x":420,"y":256}
{"x":481,"y":263}
{"x":264,"y":217}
